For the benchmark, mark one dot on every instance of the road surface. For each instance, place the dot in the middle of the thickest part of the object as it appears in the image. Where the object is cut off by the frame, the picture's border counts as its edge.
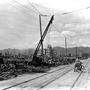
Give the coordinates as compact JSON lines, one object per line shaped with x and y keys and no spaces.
{"x":59,"y":78}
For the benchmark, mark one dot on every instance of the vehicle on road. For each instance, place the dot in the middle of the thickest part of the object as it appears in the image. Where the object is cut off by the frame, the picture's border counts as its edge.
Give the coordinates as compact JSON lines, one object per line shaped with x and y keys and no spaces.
{"x":79,"y":67}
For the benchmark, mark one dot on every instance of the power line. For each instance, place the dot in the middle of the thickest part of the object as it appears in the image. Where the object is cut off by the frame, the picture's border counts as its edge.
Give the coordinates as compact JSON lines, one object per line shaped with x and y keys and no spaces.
{"x":56,"y":28}
{"x":19,"y":10}
{"x":36,"y":10}
{"x":34,"y":7}
{"x":25,"y":14}
{"x":75,"y":10}
{"x":21,"y":4}
{"x":66,"y":50}
{"x":25,"y":7}
{"x":47,"y":15}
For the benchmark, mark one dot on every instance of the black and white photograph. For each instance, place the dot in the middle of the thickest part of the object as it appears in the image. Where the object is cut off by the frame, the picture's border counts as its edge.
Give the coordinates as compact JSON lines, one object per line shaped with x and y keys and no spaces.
{"x":44,"y":44}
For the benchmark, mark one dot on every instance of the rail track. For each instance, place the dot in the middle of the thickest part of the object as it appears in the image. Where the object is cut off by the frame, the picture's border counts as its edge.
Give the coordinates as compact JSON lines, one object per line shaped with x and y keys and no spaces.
{"x":50,"y":80}
{"x":53,"y":79}
{"x":35,"y":78}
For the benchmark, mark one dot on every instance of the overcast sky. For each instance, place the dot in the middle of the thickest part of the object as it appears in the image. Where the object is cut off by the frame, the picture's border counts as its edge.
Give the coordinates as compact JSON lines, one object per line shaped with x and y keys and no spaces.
{"x":19,"y":27}
{"x":57,"y":4}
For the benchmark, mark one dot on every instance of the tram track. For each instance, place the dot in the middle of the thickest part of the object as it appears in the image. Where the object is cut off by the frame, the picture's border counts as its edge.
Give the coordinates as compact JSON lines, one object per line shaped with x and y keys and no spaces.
{"x":49,"y":82}
{"x":35,"y":78}
{"x":52,"y":80}
{"x":42,"y":84}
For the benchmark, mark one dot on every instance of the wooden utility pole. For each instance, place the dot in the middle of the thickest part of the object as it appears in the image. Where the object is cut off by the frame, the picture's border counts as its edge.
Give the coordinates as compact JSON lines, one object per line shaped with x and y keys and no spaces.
{"x":76,"y":52}
{"x":66,"y":46}
{"x":41,"y":35}
{"x":66,"y":49}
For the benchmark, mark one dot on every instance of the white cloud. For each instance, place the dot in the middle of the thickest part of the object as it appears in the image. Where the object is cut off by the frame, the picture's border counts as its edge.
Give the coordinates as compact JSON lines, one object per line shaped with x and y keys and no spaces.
{"x":68,"y":33}
{"x":69,"y":25}
{"x":63,"y":4}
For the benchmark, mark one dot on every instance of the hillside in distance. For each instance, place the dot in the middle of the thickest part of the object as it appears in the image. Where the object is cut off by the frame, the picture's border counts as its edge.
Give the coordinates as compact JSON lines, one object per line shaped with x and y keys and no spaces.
{"x":72,"y":50}
{"x":59,"y":50}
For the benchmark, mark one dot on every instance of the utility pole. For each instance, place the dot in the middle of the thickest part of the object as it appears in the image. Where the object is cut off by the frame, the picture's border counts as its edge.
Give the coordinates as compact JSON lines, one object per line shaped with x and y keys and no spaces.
{"x":66,"y":46}
{"x":41,"y":36}
{"x":76,"y":51}
{"x":66,"y":49}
